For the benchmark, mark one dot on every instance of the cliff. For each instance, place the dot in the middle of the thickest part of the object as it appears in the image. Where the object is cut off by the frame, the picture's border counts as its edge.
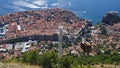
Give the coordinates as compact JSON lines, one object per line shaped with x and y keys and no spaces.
{"x":111,"y":18}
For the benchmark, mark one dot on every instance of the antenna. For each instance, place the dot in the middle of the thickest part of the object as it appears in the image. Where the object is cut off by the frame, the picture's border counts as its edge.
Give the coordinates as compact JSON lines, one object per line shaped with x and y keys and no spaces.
{"x":60,"y":41}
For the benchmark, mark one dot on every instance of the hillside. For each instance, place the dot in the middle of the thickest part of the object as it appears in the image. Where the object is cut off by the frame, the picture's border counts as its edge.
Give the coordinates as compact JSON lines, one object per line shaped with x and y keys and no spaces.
{"x":102,"y":41}
{"x":40,"y":22}
{"x":111,"y":18}
{"x":107,"y":34}
{"x":111,"y":21}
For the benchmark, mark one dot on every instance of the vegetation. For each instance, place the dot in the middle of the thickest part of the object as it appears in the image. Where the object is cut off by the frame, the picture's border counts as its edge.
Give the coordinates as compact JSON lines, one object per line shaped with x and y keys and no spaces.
{"x":17,"y":65}
{"x":51,"y":60}
{"x":103,"y":30}
{"x":110,"y":19}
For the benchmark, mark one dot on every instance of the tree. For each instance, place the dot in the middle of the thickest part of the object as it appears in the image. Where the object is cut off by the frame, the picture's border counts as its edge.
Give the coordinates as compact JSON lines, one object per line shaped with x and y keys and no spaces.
{"x":65,"y":62}
{"x":48,"y":59}
{"x":30,"y":57}
{"x":103,"y":31}
{"x":33,"y":57}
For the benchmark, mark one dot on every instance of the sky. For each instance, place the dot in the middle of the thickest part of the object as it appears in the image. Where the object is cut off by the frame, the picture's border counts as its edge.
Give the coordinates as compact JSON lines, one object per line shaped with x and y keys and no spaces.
{"x":89,"y":9}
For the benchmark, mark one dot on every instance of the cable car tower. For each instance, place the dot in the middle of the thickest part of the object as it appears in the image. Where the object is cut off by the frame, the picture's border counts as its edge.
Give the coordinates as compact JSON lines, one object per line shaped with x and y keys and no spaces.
{"x":60,"y":53}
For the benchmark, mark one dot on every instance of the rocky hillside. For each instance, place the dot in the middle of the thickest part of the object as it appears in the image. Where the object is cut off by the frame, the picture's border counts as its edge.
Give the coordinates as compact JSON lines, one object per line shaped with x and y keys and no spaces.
{"x":112,"y":23}
{"x":111,"y":18}
{"x":107,"y":33}
{"x":40,"y":22}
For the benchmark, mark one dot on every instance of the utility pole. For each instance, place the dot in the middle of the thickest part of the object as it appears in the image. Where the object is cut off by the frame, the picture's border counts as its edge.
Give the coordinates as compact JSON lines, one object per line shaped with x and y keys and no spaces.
{"x":60,"y":41}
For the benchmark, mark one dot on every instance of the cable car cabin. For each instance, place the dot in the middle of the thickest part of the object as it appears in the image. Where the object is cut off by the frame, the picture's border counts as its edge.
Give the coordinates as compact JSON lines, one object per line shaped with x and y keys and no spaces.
{"x":86,"y":48}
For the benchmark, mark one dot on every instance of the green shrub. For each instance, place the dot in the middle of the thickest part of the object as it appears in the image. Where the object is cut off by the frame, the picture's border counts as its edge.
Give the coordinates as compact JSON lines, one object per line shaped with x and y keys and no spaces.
{"x":102,"y":66}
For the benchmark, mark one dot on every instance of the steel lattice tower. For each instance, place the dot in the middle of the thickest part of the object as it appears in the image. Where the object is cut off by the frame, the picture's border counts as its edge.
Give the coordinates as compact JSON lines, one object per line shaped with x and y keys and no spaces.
{"x":60,"y":41}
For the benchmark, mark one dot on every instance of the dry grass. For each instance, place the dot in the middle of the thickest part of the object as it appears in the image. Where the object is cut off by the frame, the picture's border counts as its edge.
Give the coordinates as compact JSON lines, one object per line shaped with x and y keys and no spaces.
{"x":17,"y":65}
{"x":103,"y":66}
{"x":107,"y":66}
{"x":21,"y":65}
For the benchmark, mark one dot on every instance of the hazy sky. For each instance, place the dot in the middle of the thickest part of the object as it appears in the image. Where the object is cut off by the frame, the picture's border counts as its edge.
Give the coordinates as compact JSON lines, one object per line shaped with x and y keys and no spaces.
{"x":90,"y":9}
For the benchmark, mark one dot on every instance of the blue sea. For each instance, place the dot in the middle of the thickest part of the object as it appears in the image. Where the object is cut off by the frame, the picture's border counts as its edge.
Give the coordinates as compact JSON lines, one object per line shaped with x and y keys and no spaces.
{"x":89,"y":9}
{"x":95,"y":9}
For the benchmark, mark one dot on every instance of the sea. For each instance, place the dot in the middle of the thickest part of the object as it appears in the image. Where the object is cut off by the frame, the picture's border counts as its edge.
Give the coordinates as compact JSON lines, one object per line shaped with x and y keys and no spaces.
{"x":95,"y":9}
